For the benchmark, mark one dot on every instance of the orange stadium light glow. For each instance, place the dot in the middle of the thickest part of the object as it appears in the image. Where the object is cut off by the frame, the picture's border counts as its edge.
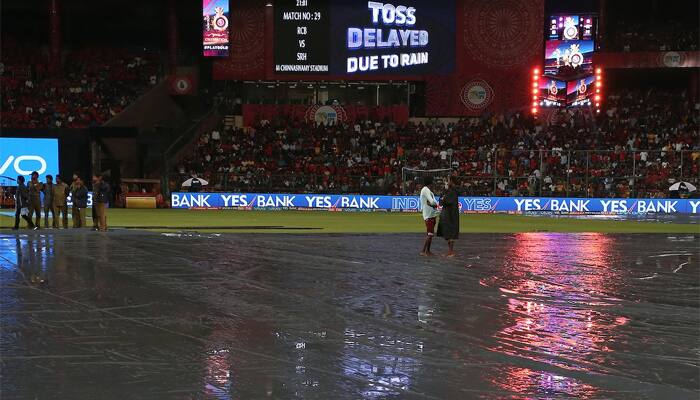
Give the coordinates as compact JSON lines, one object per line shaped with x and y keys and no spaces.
{"x":534,"y":110}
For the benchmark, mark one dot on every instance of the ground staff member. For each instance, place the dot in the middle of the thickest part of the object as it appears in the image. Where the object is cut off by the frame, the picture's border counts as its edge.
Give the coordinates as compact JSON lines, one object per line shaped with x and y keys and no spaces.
{"x":100,"y":199}
{"x":35,"y":188}
{"x":430,"y":212}
{"x":75,"y":211}
{"x":79,"y":193}
{"x":448,"y":227}
{"x":48,"y":201}
{"x":22,"y":204}
{"x":59,"y":205}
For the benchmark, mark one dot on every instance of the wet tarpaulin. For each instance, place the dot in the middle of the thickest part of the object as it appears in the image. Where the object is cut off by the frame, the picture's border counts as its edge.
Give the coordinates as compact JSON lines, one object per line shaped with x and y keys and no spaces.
{"x":144,"y":315}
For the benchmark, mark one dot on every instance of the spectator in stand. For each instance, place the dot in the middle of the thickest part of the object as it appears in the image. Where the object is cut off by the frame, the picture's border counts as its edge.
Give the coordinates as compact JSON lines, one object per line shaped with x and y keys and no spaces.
{"x":668,"y":35}
{"x":96,"y":84}
{"x":495,"y":155}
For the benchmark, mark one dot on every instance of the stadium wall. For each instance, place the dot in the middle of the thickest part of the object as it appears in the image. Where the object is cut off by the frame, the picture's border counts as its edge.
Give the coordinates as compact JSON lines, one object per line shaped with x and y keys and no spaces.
{"x":497,"y":43}
{"x":520,"y":205}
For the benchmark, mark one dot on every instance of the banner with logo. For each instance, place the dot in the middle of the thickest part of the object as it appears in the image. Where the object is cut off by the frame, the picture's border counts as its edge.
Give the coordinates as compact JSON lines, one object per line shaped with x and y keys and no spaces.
{"x":326,"y":114}
{"x":649,"y":59}
{"x":333,"y":202}
{"x":215,"y":28}
{"x":22,"y":156}
{"x":182,"y":84}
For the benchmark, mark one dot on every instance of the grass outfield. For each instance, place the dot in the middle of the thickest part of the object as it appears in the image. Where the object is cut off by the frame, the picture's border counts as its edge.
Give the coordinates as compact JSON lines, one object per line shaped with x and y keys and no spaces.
{"x":354,"y":222}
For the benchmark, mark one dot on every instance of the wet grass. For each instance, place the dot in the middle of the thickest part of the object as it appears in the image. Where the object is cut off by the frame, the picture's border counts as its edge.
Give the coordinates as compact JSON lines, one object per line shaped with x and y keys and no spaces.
{"x":377,"y":222}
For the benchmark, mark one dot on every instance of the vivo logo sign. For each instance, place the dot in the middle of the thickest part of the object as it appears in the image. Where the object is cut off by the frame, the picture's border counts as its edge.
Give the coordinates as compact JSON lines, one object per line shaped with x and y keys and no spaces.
{"x":22,"y":156}
{"x":17,"y":164}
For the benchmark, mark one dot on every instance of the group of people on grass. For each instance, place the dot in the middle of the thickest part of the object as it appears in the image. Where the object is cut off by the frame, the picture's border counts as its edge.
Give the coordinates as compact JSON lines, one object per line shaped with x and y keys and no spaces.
{"x":53,"y":198}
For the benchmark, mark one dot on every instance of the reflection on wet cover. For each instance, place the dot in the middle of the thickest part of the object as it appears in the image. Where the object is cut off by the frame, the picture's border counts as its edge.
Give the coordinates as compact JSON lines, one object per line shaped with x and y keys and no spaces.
{"x":559,"y":309}
{"x":514,"y":316}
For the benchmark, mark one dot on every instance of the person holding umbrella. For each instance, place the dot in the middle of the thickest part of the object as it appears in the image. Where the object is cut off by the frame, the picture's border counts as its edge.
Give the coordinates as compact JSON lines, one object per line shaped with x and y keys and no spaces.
{"x":448,"y":228}
{"x":681,"y":190}
{"x":194,"y":184}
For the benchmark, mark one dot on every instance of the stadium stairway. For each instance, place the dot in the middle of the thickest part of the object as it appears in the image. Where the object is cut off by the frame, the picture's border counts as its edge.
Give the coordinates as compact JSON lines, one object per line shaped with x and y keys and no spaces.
{"x":139,"y":140}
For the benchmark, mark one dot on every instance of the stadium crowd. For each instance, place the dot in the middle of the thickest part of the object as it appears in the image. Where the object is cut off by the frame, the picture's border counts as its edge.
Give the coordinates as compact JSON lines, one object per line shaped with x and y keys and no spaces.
{"x":671,"y":35}
{"x":94,"y":85}
{"x":638,"y":146}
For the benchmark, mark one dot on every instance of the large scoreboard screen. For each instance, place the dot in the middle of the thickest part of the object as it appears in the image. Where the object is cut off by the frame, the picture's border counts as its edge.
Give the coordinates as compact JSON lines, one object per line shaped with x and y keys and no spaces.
{"x":350,"y":37}
{"x":568,"y":57}
{"x":301,"y":36}
{"x":569,"y":76}
{"x":572,"y":27}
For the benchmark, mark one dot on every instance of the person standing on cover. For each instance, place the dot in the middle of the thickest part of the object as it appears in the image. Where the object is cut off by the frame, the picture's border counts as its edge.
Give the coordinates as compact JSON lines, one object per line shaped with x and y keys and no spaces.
{"x":75,"y":211}
{"x":48,"y":201}
{"x":59,"y":205}
{"x":79,"y":194}
{"x":100,"y":200}
{"x":22,"y":204}
{"x":35,"y":188}
{"x":448,"y":228}
{"x":428,"y":206}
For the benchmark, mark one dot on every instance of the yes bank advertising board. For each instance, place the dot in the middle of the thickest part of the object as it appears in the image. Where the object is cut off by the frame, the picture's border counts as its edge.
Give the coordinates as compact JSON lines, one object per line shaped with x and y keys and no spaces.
{"x":21,"y":156}
{"x":412,"y":203}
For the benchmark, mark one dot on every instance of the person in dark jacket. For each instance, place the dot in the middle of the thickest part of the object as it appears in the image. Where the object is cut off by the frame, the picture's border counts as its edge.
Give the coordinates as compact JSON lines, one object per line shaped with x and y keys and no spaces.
{"x":35,"y":189}
{"x":100,"y":199}
{"x":195,"y":185}
{"x":448,"y":228}
{"x":47,"y":189}
{"x":80,"y":199}
{"x":22,"y":204}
